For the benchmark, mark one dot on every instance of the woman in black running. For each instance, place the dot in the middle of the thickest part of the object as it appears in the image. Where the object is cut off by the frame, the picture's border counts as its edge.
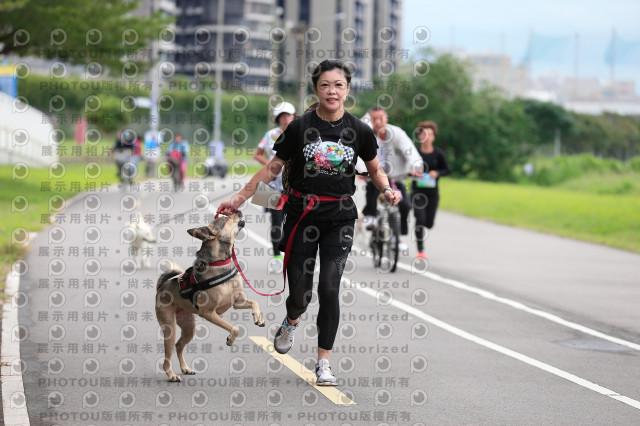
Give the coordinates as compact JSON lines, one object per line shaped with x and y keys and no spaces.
{"x":424,"y":191}
{"x":320,"y":148}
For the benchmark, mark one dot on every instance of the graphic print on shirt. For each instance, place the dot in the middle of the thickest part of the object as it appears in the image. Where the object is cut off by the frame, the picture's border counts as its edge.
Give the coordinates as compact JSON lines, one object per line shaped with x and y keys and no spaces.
{"x":327,"y":157}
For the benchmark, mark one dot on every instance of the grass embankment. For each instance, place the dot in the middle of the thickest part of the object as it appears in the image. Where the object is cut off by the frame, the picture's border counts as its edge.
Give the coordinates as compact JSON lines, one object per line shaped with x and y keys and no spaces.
{"x":583,"y":208}
{"x":34,"y":192}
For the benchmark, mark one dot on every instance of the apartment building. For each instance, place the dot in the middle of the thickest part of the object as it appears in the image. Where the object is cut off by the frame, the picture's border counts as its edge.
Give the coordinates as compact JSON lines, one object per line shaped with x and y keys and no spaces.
{"x":270,"y":43}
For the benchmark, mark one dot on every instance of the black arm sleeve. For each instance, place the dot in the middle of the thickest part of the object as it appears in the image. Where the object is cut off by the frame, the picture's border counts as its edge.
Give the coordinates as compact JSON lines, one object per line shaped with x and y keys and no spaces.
{"x":444,"y":168}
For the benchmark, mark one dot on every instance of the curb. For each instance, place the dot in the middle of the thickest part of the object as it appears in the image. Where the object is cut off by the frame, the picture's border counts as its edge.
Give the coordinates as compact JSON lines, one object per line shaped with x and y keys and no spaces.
{"x":14,"y":402}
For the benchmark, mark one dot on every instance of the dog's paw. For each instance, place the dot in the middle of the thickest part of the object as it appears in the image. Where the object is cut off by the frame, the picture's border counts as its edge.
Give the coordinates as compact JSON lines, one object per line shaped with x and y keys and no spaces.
{"x":174,"y":378}
{"x":259,"y":324}
{"x":188,"y":371}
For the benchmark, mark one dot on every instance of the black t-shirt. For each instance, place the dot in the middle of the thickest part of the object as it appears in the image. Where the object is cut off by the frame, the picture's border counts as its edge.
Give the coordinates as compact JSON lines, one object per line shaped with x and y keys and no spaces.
{"x":437,"y":161}
{"x":323,"y":162}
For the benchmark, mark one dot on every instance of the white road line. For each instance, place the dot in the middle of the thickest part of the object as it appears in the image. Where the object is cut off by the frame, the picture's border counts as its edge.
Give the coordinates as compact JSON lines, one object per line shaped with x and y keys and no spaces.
{"x":522,"y":307}
{"x":505,"y":351}
{"x":14,"y":401}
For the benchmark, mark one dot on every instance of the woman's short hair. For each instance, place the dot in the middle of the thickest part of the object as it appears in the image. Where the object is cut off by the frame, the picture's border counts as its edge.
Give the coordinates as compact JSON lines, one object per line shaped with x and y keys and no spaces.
{"x":429,"y":125}
{"x":328,"y":65}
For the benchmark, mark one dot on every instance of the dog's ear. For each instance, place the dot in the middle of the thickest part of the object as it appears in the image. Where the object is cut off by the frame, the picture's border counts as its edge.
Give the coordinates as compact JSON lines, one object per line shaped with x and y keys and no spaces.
{"x":203,"y":233}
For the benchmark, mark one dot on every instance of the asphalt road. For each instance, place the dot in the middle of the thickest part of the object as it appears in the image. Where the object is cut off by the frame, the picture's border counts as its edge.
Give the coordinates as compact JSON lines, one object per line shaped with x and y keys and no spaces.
{"x":502,"y":326}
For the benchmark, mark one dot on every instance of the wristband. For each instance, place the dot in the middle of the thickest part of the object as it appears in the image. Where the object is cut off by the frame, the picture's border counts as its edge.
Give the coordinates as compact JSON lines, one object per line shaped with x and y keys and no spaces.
{"x":388,"y":188}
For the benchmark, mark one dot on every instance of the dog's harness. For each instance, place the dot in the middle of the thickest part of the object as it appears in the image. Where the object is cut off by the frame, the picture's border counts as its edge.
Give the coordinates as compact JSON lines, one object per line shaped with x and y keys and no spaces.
{"x":190,"y":288}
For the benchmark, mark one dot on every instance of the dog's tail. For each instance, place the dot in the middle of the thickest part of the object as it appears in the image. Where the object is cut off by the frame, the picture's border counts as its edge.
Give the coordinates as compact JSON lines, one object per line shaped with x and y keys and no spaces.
{"x":165,"y":276}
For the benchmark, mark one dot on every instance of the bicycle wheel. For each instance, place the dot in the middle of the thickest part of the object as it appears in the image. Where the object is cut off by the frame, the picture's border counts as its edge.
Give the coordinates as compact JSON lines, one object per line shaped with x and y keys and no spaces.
{"x":175,"y":175}
{"x":390,"y":242}
{"x":376,"y":248}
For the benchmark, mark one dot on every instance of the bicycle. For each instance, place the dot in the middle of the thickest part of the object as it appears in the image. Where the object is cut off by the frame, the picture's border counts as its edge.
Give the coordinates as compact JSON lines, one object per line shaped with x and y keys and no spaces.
{"x":385,"y":236}
{"x":127,"y":166}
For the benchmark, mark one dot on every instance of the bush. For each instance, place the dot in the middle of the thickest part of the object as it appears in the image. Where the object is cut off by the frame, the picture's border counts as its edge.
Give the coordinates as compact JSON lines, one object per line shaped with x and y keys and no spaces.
{"x":554,"y":171}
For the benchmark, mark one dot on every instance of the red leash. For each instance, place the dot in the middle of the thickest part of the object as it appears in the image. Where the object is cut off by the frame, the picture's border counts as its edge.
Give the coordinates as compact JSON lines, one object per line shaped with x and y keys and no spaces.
{"x":312,"y":199}
{"x":235,"y":262}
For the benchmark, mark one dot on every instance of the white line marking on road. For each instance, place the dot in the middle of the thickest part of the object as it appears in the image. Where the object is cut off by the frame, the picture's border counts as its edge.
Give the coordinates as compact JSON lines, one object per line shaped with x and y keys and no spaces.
{"x":522,"y":307}
{"x":14,"y":401}
{"x":516,"y":305}
{"x":505,"y":351}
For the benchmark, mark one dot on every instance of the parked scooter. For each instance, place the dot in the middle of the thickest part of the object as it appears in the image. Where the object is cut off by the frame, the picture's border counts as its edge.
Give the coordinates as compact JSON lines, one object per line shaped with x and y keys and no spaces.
{"x":215,"y":163}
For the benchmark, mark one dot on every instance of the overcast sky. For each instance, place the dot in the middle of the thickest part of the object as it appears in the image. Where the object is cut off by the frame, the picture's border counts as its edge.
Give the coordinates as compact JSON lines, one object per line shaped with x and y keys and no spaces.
{"x":500,"y":26}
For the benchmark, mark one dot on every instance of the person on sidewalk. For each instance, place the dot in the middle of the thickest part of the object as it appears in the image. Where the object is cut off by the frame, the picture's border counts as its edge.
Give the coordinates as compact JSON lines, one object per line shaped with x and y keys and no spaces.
{"x":399,"y":158}
{"x":320,"y":149}
{"x":424,"y":191}
{"x":283,"y":114}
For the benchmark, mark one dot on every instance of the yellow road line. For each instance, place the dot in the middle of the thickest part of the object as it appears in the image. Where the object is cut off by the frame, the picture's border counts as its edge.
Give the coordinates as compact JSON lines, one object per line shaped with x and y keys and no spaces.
{"x":331,"y":392}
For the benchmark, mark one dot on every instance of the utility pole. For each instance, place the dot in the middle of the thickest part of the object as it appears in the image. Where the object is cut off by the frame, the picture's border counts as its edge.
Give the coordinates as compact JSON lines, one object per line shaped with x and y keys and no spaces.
{"x":612,"y":64}
{"x":576,"y":61}
{"x":302,"y":55}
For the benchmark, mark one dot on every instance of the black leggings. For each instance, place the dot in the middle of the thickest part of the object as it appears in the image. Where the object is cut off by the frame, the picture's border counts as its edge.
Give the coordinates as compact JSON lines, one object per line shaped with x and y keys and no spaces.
{"x":425,"y":204}
{"x":276,"y":229}
{"x":334,"y":240}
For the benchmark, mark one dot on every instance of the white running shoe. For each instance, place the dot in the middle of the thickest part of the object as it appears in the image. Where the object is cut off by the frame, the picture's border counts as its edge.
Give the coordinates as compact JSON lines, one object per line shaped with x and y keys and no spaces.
{"x":402,"y":246}
{"x":324,"y":374}
{"x":284,"y":337}
{"x":275,"y":265}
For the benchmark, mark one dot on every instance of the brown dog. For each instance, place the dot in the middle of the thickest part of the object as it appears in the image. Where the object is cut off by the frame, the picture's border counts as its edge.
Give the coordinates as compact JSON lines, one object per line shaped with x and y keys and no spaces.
{"x":212,"y":263}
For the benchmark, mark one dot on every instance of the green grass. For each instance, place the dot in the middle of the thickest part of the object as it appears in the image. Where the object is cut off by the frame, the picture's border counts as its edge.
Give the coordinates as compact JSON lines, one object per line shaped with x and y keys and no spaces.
{"x":608,"y":219}
{"x":605,"y":184}
{"x":33,"y":188}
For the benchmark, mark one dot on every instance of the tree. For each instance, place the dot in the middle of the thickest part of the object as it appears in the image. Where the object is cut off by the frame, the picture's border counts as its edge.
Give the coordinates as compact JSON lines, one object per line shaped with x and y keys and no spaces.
{"x":7,"y":5}
{"x":483,"y":134}
{"x":548,"y":118}
{"x":78,"y":31}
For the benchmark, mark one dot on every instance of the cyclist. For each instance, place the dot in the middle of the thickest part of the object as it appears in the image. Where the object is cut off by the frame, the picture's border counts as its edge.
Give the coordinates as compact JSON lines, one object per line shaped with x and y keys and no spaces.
{"x":177,"y":156}
{"x":126,"y":153}
{"x":398,"y":157}
{"x":283,"y":114}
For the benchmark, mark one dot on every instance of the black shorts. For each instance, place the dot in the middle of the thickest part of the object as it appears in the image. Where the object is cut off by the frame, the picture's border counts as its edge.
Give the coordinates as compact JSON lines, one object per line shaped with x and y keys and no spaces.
{"x":313,"y":233}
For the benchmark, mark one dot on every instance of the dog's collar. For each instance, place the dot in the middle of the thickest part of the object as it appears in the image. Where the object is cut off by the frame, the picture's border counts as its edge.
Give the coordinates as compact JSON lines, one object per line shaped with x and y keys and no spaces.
{"x":220,"y":262}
